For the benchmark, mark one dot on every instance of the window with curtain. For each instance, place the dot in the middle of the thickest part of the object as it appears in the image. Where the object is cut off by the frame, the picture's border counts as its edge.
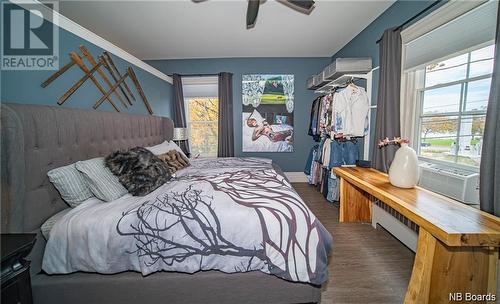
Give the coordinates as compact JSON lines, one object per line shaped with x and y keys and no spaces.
{"x":202,"y":112}
{"x":447,"y":70}
{"x":453,"y":103}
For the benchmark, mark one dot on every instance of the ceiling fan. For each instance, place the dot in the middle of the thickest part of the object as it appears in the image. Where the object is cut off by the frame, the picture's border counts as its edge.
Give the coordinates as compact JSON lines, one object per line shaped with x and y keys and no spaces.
{"x":303,"y":6}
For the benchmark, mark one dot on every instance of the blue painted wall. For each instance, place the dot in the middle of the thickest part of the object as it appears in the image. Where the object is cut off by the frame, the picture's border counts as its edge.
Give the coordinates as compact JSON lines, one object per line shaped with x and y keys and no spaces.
{"x":24,"y":86}
{"x":364,"y":44}
{"x":302,"y":68}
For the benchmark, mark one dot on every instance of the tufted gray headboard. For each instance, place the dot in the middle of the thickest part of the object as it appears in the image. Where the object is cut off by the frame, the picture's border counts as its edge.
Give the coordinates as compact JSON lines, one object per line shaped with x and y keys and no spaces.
{"x":36,"y":139}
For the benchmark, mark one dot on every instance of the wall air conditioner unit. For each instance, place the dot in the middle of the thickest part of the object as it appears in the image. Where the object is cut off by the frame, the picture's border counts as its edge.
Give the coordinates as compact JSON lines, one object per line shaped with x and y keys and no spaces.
{"x":310,"y":83}
{"x":341,"y":66}
{"x":316,"y":82}
{"x":459,"y":184}
{"x":319,"y":81}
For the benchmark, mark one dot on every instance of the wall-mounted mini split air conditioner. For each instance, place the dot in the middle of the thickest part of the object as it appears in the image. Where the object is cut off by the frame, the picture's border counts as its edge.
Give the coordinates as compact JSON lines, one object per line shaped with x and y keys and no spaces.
{"x":339,"y":67}
{"x":316,"y":82}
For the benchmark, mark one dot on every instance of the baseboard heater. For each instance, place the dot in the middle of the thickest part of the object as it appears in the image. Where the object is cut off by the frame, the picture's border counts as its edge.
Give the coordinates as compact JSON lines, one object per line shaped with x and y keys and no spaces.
{"x":395,"y":223}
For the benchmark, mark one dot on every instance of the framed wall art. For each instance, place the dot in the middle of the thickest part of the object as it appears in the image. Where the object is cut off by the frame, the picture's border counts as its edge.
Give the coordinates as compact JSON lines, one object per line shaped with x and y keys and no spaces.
{"x":267,"y":118}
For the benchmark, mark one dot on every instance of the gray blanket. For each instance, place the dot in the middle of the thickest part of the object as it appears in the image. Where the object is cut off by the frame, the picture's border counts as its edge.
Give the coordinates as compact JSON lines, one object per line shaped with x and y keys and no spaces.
{"x":227,"y":214}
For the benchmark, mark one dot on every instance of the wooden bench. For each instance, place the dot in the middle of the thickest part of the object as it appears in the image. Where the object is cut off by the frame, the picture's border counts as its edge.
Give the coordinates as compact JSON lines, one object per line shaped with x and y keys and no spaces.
{"x":457,"y":249}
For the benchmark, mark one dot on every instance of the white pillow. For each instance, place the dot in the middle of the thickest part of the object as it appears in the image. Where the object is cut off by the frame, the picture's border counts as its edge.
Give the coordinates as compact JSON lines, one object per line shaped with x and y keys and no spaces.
{"x":159,"y":149}
{"x":164,"y":147}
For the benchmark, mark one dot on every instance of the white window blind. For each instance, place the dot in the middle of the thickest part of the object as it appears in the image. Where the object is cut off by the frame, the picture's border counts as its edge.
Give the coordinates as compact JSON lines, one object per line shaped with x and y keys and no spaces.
{"x":471,"y":29}
{"x":206,"y":86}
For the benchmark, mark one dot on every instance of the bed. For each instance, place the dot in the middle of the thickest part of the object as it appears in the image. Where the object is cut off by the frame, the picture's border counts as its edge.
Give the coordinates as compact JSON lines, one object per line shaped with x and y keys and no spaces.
{"x":36,"y":139}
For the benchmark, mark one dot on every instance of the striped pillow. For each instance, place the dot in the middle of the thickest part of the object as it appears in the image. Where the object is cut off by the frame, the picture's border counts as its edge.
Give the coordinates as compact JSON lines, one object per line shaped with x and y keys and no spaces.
{"x":103,"y":184}
{"x":71,"y":184}
{"x":47,"y":226}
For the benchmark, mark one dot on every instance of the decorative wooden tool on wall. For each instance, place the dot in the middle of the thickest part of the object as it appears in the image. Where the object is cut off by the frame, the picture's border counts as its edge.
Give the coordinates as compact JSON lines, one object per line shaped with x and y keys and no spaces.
{"x":111,"y":67}
{"x":104,"y":61}
{"x":92,"y":61}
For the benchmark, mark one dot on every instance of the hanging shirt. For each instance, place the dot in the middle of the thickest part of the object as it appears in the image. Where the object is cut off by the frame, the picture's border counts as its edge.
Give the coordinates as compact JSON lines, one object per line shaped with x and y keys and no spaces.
{"x":311,"y":176}
{"x":312,"y":121}
{"x":326,"y":153}
{"x":350,"y":110}
{"x":329,"y":112}
{"x":324,"y":112}
{"x":339,"y":113}
{"x":359,"y":110}
{"x":307,"y":168}
{"x":315,"y":173}
{"x":333,"y":188}
{"x":319,"y":155}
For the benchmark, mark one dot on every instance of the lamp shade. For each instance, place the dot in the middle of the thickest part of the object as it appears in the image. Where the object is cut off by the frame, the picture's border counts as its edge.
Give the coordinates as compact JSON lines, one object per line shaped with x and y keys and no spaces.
{"x":180,"y":134}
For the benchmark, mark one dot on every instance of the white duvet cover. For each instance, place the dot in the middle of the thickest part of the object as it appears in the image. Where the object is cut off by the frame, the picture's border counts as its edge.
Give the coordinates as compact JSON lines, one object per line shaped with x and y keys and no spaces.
{"x":227,"y":214}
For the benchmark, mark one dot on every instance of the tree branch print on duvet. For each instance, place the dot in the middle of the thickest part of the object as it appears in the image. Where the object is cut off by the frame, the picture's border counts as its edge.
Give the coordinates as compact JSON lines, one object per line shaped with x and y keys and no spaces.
{"x":179,"y":225}
{"x":192,"y":211}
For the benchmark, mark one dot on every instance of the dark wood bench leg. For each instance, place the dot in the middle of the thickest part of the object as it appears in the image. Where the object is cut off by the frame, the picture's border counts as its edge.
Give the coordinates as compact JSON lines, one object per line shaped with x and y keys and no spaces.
{"x":355,"y":204}
{"x":442,"y":273}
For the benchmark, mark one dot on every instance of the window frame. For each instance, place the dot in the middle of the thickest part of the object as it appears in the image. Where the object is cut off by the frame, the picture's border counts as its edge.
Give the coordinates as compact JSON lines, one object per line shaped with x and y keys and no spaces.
{"x":436,"y":18}
{"x":188,"y":121}
{"x":464,"y":85}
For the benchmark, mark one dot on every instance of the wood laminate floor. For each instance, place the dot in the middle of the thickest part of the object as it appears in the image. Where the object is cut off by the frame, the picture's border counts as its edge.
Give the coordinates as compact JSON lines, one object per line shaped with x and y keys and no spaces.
{"x":366,"y":265}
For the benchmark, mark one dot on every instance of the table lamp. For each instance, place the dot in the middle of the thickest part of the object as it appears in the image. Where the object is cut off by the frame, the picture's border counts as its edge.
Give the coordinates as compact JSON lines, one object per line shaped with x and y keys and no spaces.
{"x":180,"y":134}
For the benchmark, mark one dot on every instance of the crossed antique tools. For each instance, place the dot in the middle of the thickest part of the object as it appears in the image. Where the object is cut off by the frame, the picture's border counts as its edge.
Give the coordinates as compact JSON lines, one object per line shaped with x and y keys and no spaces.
{"x":105,"y":61}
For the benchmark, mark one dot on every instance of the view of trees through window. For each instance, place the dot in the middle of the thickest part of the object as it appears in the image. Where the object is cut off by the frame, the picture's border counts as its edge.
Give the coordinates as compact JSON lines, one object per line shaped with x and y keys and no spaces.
{"x":203,"y":113}
{"x":453,"y":107}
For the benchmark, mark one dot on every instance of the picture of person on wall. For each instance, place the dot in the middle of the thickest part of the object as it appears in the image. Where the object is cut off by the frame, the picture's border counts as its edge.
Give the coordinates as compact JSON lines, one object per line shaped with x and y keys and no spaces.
{"x":273,"y":132}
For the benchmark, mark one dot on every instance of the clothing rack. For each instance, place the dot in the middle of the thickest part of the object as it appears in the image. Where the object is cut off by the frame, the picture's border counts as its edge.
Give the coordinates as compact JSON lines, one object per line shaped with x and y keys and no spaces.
{"x":349,"y":78}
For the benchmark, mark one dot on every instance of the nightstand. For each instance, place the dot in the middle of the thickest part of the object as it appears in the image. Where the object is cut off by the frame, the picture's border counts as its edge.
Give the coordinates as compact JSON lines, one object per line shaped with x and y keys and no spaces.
{"x":15,"y":278}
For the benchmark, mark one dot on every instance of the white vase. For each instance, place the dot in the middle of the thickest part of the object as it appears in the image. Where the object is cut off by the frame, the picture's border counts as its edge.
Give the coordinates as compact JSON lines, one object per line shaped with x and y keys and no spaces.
{"x":403,"y":172}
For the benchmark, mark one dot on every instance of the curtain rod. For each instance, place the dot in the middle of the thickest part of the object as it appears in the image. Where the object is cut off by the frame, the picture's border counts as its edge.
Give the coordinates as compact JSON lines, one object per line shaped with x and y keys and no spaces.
{"x":414,"y":17}
{"x":195,"y":75}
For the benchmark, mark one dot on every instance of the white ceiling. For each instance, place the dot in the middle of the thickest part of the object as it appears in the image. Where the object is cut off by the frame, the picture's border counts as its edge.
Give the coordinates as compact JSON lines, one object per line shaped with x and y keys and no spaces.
{"x":216,"y":29}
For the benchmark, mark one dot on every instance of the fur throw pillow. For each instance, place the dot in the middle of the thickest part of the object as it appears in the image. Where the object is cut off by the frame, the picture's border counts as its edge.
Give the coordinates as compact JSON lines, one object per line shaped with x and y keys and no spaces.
{"x":139,"y":170}
{"x":174,"y":160}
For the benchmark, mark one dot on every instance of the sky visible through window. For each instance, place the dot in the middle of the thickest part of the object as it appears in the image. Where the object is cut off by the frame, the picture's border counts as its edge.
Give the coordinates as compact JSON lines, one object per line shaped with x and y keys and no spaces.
{"x":455,"y":69}
{"x":454,"y":103}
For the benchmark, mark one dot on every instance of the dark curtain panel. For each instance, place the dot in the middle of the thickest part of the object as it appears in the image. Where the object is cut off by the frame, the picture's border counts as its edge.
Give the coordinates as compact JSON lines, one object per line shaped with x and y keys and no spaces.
{"x":388,"y":100}
{"x":179,"y":111}
{"x":489,"y":191}
{"x":226,"y":129}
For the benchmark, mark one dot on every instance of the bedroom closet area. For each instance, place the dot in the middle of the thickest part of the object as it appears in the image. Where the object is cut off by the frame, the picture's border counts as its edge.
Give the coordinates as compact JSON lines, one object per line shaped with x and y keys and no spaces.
{"x":339,"y":122}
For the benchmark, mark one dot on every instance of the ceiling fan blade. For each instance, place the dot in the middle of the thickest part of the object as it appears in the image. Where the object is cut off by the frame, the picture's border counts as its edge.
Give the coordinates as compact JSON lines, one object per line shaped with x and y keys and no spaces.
{"x":302,"y":4}
{"x":252,"y":11}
